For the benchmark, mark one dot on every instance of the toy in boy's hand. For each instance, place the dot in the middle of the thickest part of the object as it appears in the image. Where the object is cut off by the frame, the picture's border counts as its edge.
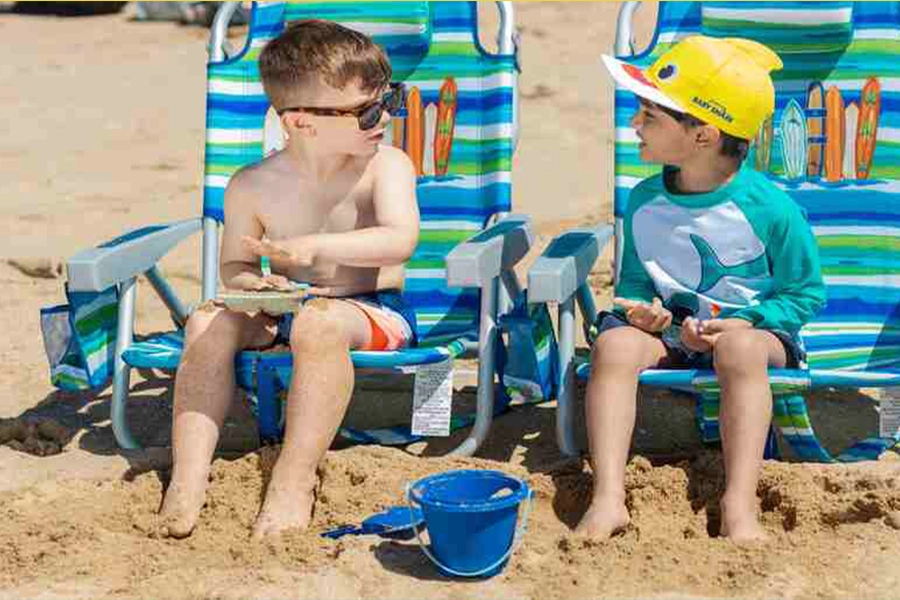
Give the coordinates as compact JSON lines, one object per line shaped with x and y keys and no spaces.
{"x":693,"y":335}
{"x":709,"y":330}
{"x":652,"y":318}
{"x":301,"y":254}
{"x":280,"y":296}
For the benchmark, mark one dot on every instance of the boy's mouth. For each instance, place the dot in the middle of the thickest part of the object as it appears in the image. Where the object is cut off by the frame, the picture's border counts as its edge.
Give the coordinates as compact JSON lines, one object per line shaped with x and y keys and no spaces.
{"x":376,"y":136}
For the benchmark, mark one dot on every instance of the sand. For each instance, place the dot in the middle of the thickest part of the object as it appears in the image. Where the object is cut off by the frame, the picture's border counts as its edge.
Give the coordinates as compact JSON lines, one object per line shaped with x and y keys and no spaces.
{"x":104,"y":133}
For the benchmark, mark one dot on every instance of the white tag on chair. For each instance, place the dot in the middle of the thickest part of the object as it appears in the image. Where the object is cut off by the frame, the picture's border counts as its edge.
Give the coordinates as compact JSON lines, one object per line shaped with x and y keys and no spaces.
{"x":432,"y":399}
{"x":273,"y":133}
{"x":889,"y":413}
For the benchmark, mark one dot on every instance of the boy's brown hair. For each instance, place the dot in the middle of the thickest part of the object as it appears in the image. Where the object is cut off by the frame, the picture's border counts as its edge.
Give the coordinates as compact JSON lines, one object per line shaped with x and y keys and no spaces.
{"x":311,"y":51}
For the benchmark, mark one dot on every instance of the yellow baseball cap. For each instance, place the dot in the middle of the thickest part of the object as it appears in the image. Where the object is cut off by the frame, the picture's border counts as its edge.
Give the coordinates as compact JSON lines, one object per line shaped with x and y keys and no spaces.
{"x":722,"y":81}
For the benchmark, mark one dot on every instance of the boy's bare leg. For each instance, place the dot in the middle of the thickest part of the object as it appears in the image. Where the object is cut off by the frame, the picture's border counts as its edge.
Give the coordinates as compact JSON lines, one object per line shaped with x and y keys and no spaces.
{"x":742,"y":358}
{"x":204,"y":390}
{"x":619,"y":356}
{"x":322,"y":335}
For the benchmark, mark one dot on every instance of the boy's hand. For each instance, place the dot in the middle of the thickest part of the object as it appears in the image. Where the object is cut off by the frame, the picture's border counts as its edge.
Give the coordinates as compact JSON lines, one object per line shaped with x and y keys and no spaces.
{"x":711,"y":329}
{"x":255,"y":283}
{"x":651,"y":318}
{"x":300,"y":253}
{"x":692,"y":335}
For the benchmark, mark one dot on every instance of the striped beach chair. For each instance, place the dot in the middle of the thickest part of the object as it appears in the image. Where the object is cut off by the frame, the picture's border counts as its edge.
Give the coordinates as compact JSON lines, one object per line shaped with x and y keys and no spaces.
{"x":459,"y":279}
{"x":834,"y":146}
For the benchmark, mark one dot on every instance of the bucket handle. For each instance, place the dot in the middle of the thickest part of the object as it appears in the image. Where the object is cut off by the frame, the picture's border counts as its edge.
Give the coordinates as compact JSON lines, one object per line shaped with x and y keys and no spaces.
{"x":516,"y":542}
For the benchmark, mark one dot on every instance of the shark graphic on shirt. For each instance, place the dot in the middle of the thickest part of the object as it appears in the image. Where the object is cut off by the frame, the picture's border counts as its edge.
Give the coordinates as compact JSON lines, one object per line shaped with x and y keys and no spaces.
{"x":700,"y":259}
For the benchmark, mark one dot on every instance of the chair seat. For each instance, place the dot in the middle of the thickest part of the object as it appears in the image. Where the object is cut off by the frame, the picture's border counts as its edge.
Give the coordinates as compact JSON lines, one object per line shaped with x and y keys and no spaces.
{"x":157,"y":351}
{"x":163,"y":351}
{"x":789,"y":410}
{"x":783,"y":381}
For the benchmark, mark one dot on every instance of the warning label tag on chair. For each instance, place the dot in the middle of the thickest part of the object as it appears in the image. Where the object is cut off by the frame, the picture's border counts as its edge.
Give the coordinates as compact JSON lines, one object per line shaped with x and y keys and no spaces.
{"x":432,"y":399}
{"x":889,"y":415}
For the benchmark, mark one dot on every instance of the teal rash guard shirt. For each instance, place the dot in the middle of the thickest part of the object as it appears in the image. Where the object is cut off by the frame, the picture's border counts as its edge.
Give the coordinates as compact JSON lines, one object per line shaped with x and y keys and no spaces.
{"x":742,"y":251}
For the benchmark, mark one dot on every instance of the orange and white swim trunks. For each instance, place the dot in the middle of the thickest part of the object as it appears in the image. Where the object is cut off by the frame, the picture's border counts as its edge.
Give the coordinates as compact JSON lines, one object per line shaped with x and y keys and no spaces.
{"x":392,"y":320}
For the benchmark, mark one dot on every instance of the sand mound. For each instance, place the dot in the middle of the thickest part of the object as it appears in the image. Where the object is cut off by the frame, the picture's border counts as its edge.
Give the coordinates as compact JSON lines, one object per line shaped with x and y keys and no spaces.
{"x":832,"y":515}
{"x":39,"y":436}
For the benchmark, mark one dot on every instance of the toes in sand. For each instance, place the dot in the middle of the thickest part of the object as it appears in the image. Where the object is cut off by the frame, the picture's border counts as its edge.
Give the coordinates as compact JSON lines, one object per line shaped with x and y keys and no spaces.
{"x":603,"y":520}
{"x":284,"y":510}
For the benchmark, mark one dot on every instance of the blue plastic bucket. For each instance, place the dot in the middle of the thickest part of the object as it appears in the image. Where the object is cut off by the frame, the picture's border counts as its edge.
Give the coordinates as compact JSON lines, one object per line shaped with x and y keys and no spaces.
{"x":471,"y":519}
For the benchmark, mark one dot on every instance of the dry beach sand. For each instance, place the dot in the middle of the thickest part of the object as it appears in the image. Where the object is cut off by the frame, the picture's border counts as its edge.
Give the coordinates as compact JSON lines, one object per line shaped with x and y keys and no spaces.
{"x":103,"y":132}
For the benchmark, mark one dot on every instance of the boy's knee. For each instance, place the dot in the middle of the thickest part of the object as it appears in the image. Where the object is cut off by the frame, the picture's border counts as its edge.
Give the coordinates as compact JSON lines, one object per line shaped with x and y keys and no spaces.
{"x":315,"y":325}
{"x":737,"y":352}
{"x":621,"y":348}
{"x":218,"y":327}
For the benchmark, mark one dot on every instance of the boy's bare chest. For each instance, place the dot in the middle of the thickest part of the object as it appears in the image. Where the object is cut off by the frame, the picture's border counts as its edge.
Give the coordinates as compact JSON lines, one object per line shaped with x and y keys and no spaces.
{"x":301,"y":212}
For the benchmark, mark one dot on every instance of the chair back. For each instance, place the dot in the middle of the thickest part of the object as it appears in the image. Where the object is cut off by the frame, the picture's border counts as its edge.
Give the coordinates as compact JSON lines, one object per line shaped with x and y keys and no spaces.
{"x":833,"y":144}
{"x":458,"y":129}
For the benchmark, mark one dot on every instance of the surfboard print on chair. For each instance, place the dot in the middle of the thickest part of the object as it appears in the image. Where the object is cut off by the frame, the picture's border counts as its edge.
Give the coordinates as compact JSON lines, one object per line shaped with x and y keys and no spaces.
{"x":867,"y":130}
{"x":793,"y":141}
{"x":446,"y":121}
{"x":430,"y":125}
{"x":834,"y":134}
{"x":398,"y":135}
{"x":851,"y":122}
{"x":763,"y":146}
{"x":415,"y":129}
{"x":815,"y":125}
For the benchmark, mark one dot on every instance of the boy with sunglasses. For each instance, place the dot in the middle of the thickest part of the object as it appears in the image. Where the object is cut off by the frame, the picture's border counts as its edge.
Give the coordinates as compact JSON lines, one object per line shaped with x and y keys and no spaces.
{"x":719,"y":269}
{"x":334,"y":209}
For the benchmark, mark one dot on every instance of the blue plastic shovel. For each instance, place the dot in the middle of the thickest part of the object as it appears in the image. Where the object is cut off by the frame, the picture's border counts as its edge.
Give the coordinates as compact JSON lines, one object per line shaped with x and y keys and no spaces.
{"x":396,"y":522}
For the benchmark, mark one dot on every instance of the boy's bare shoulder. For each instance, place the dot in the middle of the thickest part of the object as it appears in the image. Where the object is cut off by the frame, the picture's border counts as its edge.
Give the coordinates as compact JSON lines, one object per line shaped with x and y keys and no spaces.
{"x":392,"y":162}
{"x":252,"y":181}
{"x":255,"y":174}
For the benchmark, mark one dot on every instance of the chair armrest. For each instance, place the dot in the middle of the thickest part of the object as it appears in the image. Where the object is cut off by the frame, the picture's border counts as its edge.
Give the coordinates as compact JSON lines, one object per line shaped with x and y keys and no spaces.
{"x":564,"y":265}
{"x":481,"y":258}
{"x":124,"y":257}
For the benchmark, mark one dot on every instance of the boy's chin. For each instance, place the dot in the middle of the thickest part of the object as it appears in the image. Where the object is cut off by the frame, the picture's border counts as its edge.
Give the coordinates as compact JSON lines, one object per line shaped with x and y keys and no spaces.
{"x":647,"y":157}
{"x":651,"y":158}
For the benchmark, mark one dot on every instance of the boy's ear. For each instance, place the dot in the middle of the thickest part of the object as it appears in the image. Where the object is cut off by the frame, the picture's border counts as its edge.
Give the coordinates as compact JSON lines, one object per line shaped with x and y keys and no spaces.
{"x":707,"y":135}
{"x":297,"y":123}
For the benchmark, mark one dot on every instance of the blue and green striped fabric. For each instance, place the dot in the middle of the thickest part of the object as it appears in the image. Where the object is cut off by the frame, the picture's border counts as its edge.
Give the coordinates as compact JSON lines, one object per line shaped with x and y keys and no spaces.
{"x":855,"y":340}
{"x":786,"y":27}
{"x":80,"y":339}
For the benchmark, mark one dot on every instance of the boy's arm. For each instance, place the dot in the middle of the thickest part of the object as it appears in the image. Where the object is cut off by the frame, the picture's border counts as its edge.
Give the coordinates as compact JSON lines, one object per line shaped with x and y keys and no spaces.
{"x":238,"y":267}
{"x":799,"y":291}
{"x":634,"y":282}
{"x":390,"y":242}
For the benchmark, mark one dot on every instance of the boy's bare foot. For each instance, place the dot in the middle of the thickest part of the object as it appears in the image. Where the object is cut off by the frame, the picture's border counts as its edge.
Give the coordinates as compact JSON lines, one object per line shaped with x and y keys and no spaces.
{"x":739,"y":522}
{"x":285,"y":507}
{"x":180,"y":511}
{"x":604,"y":518}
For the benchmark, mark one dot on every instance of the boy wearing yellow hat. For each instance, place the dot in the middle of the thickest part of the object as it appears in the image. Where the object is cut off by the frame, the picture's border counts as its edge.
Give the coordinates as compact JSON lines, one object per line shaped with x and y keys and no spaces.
{"x":719,"y":269}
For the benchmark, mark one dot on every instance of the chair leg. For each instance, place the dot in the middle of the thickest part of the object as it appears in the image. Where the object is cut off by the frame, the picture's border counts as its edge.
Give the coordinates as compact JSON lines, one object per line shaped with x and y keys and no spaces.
{"x":121,"y":371}
{"x":588,"y":307}
{"x":565,"y":396}
{"x":268,"y":405}
{"x":487,"y":340}
{"x":791,"y":416}
{"x":772,"y":451}
{"x":707,"y":416}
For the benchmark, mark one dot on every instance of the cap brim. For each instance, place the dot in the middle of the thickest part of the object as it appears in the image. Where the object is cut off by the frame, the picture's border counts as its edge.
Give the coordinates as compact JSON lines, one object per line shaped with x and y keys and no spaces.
{"x":638,"y":85}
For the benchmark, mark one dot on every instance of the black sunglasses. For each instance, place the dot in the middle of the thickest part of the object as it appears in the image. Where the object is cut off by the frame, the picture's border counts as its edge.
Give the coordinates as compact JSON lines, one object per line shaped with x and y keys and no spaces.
{"x":368,"y":115}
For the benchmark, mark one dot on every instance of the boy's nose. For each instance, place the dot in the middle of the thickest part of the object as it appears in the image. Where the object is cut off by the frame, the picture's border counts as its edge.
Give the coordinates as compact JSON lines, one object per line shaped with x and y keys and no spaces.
{"x":385,"y":118}
{"x":636,"y":120}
